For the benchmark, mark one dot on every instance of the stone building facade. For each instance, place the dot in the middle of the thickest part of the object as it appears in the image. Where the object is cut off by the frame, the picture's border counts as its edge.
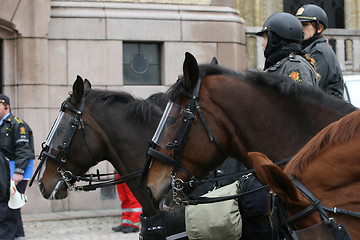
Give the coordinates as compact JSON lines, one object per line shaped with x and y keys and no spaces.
{"x":46,"y":44}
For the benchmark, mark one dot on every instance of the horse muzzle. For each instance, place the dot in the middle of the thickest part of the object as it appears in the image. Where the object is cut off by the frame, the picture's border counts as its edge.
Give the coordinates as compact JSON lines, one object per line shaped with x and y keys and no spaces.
{"x":58,"y":192}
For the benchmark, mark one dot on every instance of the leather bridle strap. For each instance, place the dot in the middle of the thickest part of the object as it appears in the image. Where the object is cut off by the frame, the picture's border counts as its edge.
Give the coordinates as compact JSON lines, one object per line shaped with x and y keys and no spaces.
{"x":316,"y":203}
{"x":210,"y":135}
{"x":234,"y":175}
{"x":167,"y":159}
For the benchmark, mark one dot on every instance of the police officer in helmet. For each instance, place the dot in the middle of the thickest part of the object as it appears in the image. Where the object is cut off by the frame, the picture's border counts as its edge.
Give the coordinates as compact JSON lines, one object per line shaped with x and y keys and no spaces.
{"x":314,"y":21}
{"x":282,"y":33}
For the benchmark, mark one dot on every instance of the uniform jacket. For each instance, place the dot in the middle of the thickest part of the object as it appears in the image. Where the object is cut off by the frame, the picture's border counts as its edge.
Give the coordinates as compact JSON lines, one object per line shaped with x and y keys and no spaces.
{"x":16,"y":142}
{"x":327,"y":65}
{"x":297,"y":68}
{"x":4,"y":179}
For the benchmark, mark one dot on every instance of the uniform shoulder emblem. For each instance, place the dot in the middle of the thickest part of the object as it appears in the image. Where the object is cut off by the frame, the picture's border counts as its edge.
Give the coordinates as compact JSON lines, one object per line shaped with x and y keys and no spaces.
{"x":22,"y":130}
{"x":295,"y":76}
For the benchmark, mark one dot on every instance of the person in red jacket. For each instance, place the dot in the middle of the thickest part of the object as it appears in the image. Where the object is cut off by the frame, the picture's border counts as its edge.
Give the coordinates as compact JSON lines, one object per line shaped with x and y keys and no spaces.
{"x":131,"y":210}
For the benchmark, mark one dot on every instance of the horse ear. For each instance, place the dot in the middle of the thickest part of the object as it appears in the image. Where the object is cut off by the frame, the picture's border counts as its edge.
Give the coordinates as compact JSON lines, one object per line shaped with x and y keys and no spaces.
{"x":87,"y":84}
{"x":191,"y":72}
{"x":267,"y":172}
{"x":258,"y":160}
{"x":214,"y":61}
{"x":78,"y":89}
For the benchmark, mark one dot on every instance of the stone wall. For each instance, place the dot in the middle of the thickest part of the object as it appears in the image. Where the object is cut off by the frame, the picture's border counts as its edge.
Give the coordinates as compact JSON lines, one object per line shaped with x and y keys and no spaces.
{"x":48,"y":43}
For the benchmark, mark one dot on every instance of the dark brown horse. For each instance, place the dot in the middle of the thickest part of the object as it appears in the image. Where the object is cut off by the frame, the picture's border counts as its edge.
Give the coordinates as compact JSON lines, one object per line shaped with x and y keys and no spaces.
{"x":329,"y":166}
{"x":217,"y":112}
{"x":112,"y":126}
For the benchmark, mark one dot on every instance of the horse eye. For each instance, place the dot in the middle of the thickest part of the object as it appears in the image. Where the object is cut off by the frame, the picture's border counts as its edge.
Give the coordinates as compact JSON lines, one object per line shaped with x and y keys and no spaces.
{"x":170,"y":121}
{"x":60,"y":131}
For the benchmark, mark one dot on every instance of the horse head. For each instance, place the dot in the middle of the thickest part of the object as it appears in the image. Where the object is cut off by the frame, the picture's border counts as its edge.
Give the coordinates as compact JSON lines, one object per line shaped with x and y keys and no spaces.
{"x":281,"y":184}
{"x":178,"y":156}
{"x":73,"y":129}
{"x":215,"y":112}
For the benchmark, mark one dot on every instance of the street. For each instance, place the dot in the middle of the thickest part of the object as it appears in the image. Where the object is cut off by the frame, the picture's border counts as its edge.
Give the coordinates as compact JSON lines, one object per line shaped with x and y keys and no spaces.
{"x":75,"y":226}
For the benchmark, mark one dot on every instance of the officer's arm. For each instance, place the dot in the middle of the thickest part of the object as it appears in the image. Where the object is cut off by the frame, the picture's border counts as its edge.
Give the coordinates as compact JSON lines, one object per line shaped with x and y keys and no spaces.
{"x":23,"y":150}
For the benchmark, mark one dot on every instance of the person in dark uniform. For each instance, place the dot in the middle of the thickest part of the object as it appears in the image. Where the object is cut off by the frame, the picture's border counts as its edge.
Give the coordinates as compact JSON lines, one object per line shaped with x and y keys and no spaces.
{"x":314,"y":21}
{"x":282,"y":33}
{"x":16,"y":143}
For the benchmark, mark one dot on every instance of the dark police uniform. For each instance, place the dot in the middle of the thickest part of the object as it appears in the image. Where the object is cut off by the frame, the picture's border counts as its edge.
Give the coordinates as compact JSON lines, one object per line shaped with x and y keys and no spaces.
{"x":16,"y":143}
{"x":297,"y":68}
{"x":327,"y":65}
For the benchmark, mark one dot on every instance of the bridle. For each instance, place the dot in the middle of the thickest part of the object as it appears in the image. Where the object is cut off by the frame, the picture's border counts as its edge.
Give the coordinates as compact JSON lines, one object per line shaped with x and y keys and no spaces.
{"x":75,"y":123}
{"x":284,"y":223}
{"x":177,"y":145}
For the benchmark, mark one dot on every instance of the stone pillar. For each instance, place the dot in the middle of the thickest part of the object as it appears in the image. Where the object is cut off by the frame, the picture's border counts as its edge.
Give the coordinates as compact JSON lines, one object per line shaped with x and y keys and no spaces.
{"x":26,"y":75}
{"x":31,"y":19}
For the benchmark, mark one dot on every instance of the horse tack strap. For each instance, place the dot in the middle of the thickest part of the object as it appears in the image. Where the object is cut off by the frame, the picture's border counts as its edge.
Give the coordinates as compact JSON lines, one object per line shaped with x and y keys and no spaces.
{"x":169,"y":160}
{"x":203,"y":200}
{"x":211,"y":137}
{"x":234,"y":175}
{"x":317,"y":203}
{"x":336,"y":210}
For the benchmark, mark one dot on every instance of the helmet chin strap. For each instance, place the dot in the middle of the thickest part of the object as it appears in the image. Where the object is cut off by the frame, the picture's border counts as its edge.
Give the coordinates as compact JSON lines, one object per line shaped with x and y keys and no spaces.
{"x":316,"y":34}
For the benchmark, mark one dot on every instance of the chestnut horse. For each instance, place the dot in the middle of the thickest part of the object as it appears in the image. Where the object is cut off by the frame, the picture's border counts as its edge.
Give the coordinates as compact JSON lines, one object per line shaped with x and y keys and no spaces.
{"x":216,"y":112}
{"x":329,"y":166}
{"x":112,"y":126}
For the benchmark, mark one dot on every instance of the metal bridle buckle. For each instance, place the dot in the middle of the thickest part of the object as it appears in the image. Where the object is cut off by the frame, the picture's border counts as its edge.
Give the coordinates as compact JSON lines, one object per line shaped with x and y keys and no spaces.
{"x":177,"y":185}
{"x":188,"y":114}
{"x":66,"y":177}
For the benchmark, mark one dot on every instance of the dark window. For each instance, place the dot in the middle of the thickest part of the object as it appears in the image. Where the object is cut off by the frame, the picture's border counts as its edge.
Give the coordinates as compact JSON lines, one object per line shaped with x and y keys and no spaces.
{"x":141,"y":63}
{"x":1,"y":65}
{"x":333,"y":8}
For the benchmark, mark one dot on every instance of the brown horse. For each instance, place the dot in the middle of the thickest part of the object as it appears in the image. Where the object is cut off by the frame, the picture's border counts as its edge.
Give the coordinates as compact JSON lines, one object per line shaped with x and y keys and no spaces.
{"x":329,"y":166}
{"x":111,"y":126}
{"x":217,"y":112}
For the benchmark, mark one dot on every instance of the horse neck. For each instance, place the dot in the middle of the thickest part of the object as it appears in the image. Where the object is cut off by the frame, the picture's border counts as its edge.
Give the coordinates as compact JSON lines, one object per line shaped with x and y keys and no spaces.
{"x":333,"y":176}
{"x":126,"y":142}
{"x":264,"y":121}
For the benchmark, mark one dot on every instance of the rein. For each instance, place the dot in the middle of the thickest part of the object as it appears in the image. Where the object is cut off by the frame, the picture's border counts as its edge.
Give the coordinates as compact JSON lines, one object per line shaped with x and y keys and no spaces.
{"x":236,"y":175}
{"x":102,"y":182}
{"x":317,"y":205}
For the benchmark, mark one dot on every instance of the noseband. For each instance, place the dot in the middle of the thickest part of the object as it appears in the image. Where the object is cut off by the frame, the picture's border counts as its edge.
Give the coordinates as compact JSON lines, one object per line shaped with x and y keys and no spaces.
{"x":178,"y":144}
{"x":75,"y":122}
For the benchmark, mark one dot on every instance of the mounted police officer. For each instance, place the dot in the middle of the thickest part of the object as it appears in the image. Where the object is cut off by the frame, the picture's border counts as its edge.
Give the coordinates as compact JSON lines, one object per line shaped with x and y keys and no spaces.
{"x":16,"y":143}
{"x":314,"y":21}
{"x":282,"y":33}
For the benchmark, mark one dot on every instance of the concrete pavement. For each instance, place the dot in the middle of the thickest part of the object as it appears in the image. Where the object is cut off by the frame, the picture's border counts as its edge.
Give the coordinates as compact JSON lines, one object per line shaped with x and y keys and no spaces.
{"x":75,"y":225}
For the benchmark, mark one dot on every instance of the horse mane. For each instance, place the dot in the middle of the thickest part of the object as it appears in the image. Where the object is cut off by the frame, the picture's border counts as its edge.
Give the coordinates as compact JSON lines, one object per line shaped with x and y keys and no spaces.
{"x":280,"y":84}
{"x":140,"y":110}
{"x":159,"y":99}
{"x":339,"y":132}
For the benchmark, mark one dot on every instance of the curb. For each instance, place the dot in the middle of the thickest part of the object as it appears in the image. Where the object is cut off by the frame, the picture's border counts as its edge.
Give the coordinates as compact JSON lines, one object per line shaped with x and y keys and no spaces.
{"x":67,"y":215}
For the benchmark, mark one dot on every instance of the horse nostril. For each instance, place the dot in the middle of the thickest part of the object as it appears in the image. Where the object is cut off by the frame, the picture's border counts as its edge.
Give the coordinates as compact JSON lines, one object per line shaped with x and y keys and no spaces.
{"x":150,"y":194}
{"x":41,"y":187}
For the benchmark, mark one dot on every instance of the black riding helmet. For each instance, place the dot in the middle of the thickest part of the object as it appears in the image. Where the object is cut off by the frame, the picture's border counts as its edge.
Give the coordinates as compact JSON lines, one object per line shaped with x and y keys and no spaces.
{"x":310,"y":13}
{"x":282,"y":29}
{"x":285,"y":25}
